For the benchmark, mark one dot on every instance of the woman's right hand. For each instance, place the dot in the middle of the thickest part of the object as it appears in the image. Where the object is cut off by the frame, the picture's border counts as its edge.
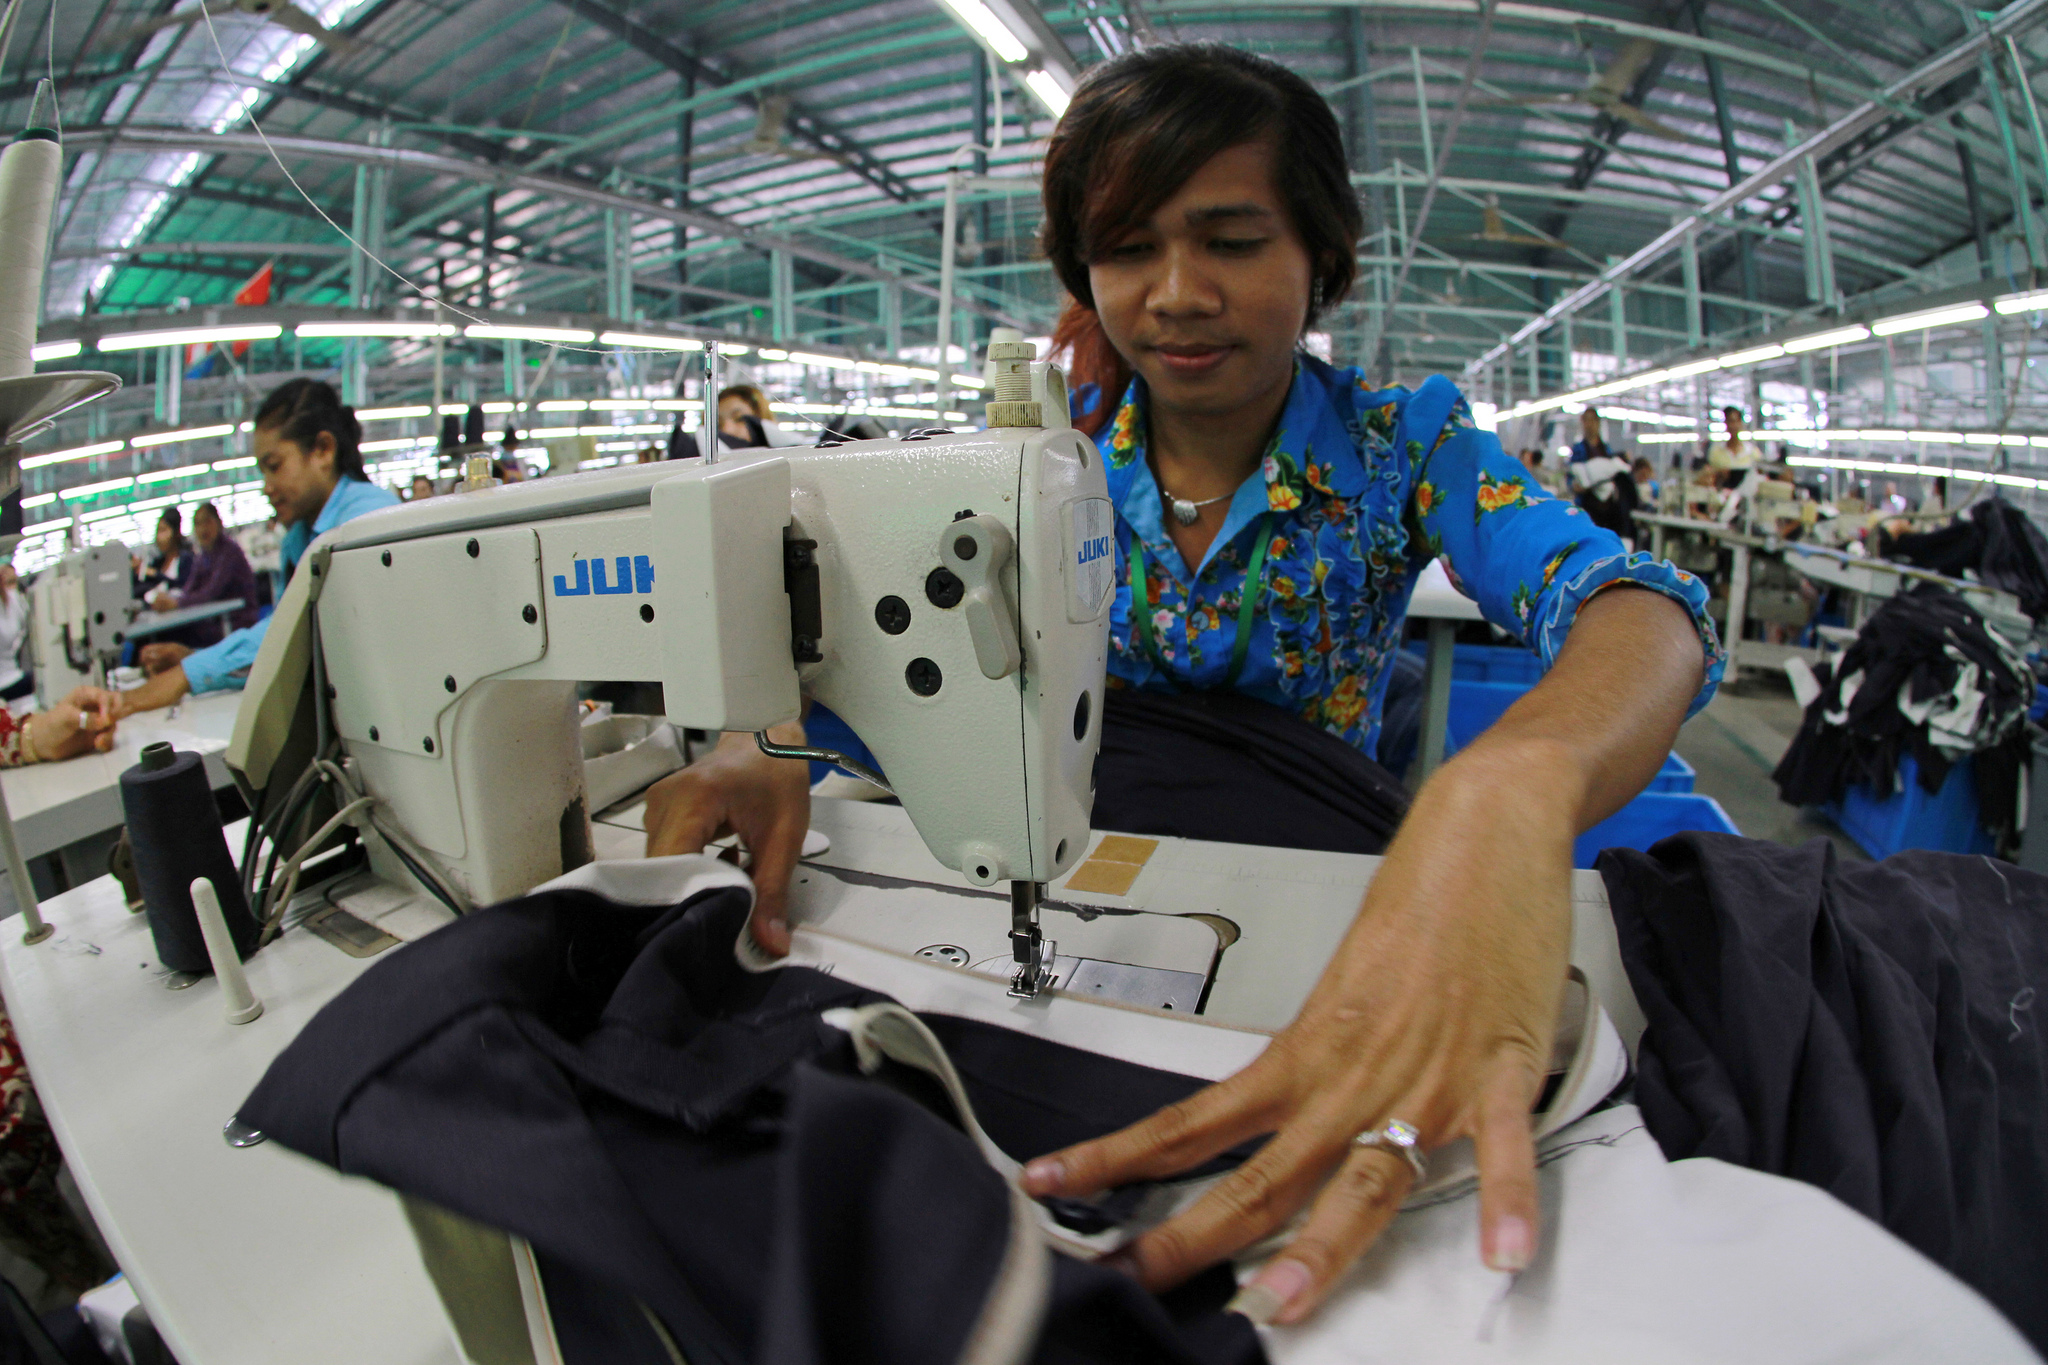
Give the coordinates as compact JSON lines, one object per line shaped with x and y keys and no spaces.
{"x":81,"y":722}
{"x":737,"y":789}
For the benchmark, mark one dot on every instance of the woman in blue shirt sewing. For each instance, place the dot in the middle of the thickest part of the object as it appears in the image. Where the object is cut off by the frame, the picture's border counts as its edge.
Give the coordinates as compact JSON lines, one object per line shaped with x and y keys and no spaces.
{"x":308,"y":446}
{"x":1272,"y":516}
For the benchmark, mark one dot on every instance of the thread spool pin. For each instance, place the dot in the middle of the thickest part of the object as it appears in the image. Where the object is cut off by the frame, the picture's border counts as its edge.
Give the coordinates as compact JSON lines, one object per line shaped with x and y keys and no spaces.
{"x":241,"y":1004}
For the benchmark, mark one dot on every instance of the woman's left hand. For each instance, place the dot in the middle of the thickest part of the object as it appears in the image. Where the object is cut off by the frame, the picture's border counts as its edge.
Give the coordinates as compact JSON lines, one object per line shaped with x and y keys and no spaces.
{"x":1438,"y":1010}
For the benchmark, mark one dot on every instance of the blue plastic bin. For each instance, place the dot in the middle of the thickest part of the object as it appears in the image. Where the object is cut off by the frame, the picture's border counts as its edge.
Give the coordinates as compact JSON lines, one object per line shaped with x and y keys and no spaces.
{"x":1489,"y":663}
{"x":1648,"y":818}
{"x":1910,"y":818}
{"x":1476,"y":705}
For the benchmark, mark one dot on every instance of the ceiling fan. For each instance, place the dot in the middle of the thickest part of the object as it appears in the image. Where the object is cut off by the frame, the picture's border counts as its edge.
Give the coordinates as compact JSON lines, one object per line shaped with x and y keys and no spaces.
{"x":771,"y":134}
{"x":1608,"y":91}
{"x":1493,"y":228}
{"x":283,"y":13}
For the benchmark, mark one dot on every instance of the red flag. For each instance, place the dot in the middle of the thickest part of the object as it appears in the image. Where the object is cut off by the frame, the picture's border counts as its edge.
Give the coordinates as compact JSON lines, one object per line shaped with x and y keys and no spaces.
{"x":256,"y":292}
{"x":253,"y":294}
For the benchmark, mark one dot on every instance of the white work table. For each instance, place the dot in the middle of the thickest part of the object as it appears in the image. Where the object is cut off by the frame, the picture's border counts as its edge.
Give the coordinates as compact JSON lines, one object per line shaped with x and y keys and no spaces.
{"x":259,"y":1257}
{"x":56,"y":804}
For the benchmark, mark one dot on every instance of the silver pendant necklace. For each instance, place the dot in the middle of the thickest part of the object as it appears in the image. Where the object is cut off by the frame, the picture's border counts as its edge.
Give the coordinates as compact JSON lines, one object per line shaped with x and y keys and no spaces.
{"x":1185,"y":512}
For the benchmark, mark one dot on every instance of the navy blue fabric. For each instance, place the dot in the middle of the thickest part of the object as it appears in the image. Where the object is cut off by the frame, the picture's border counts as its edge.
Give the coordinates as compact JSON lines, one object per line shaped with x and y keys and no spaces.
{"x":670,"y":1131}
{"x":1874,"y":1029}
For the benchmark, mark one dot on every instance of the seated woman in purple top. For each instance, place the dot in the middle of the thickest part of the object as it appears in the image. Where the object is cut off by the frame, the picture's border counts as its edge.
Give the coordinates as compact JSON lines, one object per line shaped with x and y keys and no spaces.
{"x":219,"y":572}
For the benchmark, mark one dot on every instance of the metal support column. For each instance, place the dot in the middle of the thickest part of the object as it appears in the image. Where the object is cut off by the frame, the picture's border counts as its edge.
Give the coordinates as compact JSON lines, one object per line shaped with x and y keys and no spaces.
{"x":1718,"y":89}
{"x":1422,"y":113}
{"x":1891,"y":386}
{"x":1617,"y":318}
{"x":1818,"y":254}
{"x":686,"y":143}
{"x":170,"y":379}
{"x":488,"y":249}
{"x":2033,"y":108}
{"x":891,"y":303}
{"x":1695,"y":322}
{"x":781,"y":295}
{"x":2022,"y":197}
{"x":1973,"y":198}
{"x":618,"y":264}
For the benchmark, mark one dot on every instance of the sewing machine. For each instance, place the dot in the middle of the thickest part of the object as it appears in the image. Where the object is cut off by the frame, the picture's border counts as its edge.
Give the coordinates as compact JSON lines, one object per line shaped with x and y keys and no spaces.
{"x":947,"y":594}
{"x":79,"y":608}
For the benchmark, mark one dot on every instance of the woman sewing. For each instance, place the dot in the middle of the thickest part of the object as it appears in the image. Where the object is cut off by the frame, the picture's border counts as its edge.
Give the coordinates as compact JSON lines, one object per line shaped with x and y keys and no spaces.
{"x":1272,"y":515}
{"x":308,"y":446}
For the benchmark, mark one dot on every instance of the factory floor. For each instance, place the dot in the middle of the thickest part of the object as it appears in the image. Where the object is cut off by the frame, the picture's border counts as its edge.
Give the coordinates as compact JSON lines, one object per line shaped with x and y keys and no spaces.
{"x":1735,"y":743}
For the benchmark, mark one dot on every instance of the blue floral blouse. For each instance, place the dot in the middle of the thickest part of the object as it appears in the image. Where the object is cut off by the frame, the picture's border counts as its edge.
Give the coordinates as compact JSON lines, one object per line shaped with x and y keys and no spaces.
{"x":1358,"y":491}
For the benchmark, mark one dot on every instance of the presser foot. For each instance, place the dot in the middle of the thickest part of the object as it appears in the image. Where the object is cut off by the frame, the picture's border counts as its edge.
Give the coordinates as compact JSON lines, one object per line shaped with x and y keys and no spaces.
{"x":1028,"y":946}
{"x":1034,"y":973}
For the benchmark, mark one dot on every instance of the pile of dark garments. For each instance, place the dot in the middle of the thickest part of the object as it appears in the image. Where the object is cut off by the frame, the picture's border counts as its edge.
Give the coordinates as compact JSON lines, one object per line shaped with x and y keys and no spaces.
{"x":1926,"y":679}
{"x":1997,"y":542}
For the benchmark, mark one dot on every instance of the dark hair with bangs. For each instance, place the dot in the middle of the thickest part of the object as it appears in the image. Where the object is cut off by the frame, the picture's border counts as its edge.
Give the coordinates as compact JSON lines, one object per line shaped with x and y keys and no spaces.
{"x":1138,"y":127}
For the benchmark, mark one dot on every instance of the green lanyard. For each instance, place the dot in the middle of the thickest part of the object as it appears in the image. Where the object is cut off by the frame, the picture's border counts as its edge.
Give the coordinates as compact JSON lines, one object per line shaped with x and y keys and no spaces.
{"x":1141,"y":600}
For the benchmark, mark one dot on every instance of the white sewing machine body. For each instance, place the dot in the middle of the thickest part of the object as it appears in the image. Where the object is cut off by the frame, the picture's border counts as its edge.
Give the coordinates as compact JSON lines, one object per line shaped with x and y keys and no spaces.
{"x":78,"y":610}
{"x":452,"y":635}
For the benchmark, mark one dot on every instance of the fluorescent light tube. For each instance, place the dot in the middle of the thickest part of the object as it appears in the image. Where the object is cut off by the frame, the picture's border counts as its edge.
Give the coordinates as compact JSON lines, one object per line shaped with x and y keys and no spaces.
{"x":982,"y":21}
{"x":373,"y":329}
{"x":393,"y":414}
{"x":574,"y":336}
{"x":189,"y":336}
{"x":160,"y":475}
{"x":1751,"y":356}
{"x":1696,"y":367}
{"x":75,"y":453}
{"x":562,"y":405}
{"x":1937,"y":317}
{"x":1049,"y":92}
{"x":55,"y":350}
{"x":651,"y":342}
{"x":164,"y":438}
{"x":1820,"y":340}
{"x":1952,"y":438}
{"x":87,"y":490}
{"x":2010,"y":304}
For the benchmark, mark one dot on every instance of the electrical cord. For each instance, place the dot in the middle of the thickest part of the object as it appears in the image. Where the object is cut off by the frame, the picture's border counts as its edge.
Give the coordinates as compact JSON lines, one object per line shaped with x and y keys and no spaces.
{"x":274,"y":910}
{"x":407,"y":852}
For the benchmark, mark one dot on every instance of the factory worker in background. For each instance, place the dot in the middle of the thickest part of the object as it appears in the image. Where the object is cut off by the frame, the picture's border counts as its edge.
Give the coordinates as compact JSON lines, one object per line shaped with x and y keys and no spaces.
{"x":1272,"y":515}
{"x":1734,"y":452}
{"x":308,"y":446}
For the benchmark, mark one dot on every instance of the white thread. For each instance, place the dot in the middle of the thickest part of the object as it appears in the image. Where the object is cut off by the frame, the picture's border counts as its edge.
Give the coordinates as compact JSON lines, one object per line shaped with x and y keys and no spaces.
{"x":29,"y":171}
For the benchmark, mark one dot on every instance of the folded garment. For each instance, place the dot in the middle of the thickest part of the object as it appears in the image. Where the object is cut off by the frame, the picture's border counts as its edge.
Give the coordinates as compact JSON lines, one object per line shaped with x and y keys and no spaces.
{"x":1867,"y":1028}
{"x":1231,"y":768}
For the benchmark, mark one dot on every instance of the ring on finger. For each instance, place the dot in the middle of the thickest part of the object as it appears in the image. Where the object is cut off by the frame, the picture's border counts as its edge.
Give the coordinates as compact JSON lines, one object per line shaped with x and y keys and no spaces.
{"x":1400,"y":1136}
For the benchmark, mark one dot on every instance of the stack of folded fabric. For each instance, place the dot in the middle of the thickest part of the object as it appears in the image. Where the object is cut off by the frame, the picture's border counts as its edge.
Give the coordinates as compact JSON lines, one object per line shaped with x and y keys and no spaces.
{"x":1926,"y":679}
